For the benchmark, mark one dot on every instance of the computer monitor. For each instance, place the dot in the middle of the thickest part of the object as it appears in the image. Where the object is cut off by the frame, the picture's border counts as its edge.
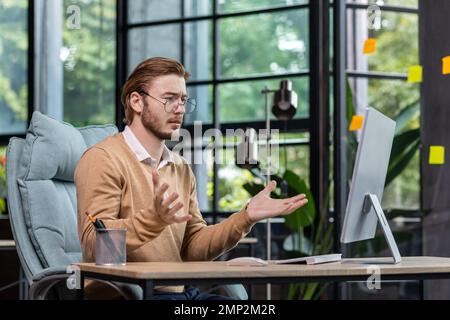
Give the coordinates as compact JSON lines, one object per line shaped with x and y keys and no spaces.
{"x":364,"y":210}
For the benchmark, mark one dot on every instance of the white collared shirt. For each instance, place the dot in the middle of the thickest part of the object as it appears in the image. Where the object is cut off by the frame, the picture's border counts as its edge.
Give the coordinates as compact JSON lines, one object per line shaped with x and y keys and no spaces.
{"x":141,"y":154}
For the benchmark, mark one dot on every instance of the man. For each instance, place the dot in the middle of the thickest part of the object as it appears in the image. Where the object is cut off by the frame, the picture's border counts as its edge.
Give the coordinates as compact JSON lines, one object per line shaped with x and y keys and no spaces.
{"x":132,"y":180}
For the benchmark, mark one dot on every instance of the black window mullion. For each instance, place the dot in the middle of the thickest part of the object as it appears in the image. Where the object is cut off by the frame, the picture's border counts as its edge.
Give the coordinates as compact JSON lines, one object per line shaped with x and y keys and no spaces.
{"x":217,"y":15}
{"x":121,"y":56}
{"x":386,"y":8}
{"x":216,"y":114}
{"x":249,"y":78}
{"x":4,"y":139}
{"x":182,"y":32}
{"x":30,"y":62}
{"x":377,"y":75}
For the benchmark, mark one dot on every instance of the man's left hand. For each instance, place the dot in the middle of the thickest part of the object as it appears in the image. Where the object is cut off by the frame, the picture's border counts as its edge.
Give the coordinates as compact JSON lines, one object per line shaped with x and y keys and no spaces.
{"x":262,"y":206}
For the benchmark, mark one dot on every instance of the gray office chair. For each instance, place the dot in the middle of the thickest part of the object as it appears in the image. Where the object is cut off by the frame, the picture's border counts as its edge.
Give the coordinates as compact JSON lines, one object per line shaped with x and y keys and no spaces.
{"x":42,"y":205}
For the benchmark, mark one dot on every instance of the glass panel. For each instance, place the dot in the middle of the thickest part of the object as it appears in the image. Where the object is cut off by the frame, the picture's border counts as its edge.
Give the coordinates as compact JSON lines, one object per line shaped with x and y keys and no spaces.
{"x":13,"y":67}
{"x":204,"y":111}
{"x":198,"y":49}
{"x":142,"y":43}
{"x":194,"y":8}
{"x":232,"y":195}
{"x":89,"y":59}
{"x":243,"y":101}
{"x":151,"y":10}
{"x":397,"y":42}
{"x":204,"y":178}
{"x":388,"y":96}
{"x":404,"y":191}
{"x":227,"y":6}
{"x":140,"y":11}
{"x":296,"y":159}
{"x":264,"y":44}
{"x":194,"y":150}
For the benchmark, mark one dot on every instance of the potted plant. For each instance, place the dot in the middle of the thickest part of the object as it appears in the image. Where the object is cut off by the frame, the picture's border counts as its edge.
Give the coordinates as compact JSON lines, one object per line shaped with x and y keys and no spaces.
{"x":311,"y":234}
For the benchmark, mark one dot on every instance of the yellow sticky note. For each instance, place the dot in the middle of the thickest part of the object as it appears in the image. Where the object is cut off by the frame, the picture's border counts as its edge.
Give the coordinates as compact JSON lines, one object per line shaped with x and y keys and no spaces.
{"x":437,"y":155}
{"x":370,"y":46}
{"x":446,"y":65}
{"x":415,"y":74}
{"x":357,"y":123}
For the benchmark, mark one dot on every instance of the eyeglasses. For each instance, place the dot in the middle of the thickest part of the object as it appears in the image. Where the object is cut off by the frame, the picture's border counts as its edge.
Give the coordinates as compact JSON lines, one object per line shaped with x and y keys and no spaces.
{"x":172,"y":103}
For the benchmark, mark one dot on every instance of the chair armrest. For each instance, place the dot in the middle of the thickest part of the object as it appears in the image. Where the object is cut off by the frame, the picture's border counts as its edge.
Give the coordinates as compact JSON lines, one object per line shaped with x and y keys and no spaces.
{"x":44,"y":281}
{"x":50,"y":272}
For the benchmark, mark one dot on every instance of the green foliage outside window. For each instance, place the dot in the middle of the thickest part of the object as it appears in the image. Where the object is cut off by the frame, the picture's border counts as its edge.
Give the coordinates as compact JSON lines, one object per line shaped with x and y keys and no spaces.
{"x":13,"y":63}
{"x":89,"y":67}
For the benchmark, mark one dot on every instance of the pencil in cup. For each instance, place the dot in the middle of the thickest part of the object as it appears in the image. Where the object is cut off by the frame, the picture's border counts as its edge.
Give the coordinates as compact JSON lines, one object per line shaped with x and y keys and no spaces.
{"x":110,"y":244}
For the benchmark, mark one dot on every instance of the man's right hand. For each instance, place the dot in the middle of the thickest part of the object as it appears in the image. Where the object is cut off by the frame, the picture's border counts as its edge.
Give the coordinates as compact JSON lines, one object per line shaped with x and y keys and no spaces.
{"x":165,"y":207}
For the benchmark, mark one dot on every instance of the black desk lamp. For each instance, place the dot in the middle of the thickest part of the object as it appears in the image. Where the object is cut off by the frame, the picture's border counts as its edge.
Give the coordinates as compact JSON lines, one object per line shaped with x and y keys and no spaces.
{"x":284,"y":107}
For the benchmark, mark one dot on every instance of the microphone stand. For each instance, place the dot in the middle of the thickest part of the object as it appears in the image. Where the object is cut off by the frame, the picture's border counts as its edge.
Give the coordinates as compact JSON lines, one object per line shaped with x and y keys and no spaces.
{"x":266,"y":93}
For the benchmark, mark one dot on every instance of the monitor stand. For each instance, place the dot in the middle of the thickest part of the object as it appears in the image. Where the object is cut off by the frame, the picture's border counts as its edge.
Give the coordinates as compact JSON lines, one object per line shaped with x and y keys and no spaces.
{"x":372,"y":200}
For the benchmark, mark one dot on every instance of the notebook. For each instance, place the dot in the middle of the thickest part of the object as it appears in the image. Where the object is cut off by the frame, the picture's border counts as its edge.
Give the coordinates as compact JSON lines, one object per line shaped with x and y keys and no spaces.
{"x":312,"y":259}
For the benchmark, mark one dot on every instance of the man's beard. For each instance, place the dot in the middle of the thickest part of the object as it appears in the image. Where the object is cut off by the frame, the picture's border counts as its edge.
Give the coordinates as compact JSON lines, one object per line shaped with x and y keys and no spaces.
{"x":150,"y":123}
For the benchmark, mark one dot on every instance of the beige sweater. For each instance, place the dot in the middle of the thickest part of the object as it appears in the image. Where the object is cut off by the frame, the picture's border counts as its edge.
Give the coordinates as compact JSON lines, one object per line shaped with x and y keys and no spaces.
{"x":114,"y":186}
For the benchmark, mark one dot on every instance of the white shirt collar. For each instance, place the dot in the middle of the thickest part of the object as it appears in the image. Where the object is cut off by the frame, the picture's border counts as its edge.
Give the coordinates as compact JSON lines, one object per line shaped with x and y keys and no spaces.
{"x":141,"y":154}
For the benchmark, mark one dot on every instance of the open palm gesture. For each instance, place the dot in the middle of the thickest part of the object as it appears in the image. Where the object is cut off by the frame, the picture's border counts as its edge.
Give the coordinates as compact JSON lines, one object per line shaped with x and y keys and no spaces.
{"x":262,"y":206}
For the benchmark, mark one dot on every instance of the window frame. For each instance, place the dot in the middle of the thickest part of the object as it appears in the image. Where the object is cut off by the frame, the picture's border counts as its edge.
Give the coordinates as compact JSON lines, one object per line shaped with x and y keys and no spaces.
{"x":4,"y":138}
{"x":296,"y":125}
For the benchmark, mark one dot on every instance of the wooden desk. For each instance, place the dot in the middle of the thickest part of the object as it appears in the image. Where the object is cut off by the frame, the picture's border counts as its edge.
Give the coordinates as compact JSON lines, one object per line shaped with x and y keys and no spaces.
{"x":149,"y":274}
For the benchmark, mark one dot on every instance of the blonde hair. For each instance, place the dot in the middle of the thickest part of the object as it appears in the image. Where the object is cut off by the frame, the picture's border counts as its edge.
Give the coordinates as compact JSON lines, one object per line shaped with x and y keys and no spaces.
{"x":143,"y":75}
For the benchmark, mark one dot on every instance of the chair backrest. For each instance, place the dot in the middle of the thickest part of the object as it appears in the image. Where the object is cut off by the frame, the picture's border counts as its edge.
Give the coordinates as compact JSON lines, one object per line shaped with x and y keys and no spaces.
{"x":41,"y":192}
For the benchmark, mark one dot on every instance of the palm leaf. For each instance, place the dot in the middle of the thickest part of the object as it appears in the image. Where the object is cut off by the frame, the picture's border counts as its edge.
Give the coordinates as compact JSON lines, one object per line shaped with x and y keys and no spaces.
{"x":303,"y":216}
{"x":404,"y":148}
{"x":406,"y":115}
{"x":350,"y":106}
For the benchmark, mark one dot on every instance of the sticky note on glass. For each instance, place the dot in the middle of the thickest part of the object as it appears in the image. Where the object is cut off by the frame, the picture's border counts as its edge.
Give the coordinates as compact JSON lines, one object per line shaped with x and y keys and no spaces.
{"x":415,"y":74}
{"x":437,"y":155}
{"x":446,"y":65}
{"x":356,"y":123}
{"x":370,"y":45}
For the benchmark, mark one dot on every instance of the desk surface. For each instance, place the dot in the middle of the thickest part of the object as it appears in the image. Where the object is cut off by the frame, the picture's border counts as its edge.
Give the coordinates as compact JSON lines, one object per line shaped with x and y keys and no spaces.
{"x":215,"y":269}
